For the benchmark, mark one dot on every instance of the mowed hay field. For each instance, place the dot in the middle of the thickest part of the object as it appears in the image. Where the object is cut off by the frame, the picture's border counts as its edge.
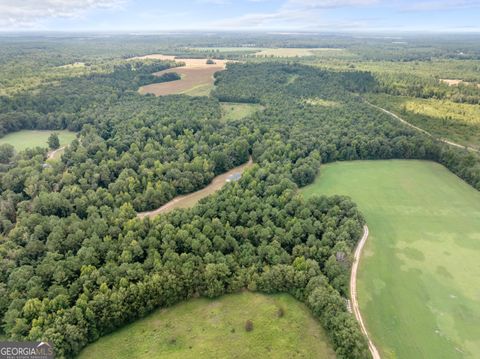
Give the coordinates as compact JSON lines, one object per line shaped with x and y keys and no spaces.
{"x":203,"y":328}
{"x":24,"y":139}
{"x":418,"y":281}
{"x":197,"y":77}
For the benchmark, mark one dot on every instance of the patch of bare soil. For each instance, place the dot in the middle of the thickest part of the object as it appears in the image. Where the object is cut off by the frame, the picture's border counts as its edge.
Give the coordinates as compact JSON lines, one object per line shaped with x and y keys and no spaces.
{"x":194,"y":72}
{"x":456,"y":82}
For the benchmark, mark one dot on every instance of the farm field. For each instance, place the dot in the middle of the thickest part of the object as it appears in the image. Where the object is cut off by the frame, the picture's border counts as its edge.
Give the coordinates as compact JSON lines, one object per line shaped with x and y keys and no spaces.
{"x":274,"y":52}
{"x":236,"y":111}
{"x":228,"y":49}
{"x":417,"y":282}
{"x":294,"y":52}
{"x":204,"y":328}
{"x":457,"y":122}
{"x":189,"y":200}
{"x":35,"y":138}
{"x":197,"y":77}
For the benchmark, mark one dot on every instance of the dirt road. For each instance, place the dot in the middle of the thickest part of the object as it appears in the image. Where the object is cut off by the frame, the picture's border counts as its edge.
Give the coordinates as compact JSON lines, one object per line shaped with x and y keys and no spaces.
{"x":189,"y":200}
{"x":421,"y":129}
{"x":52,"y":154}
{"x":353,"y":293}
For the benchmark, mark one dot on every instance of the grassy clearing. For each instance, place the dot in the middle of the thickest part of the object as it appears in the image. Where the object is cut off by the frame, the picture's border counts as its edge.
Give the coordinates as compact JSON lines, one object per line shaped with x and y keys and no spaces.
{"x":75,"y":64}
{"x":445,"y":119}
{"x":203,"y":328}
{"x":418,"y":278}
{"x":465,"y":70}
{"x":236,"y":111}
{"x":316,"y":101}
{"x":32,"y":138}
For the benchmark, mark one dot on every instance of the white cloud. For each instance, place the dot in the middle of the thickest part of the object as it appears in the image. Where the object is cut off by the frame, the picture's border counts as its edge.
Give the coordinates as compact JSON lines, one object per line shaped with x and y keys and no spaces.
{"x":298,"y":14}
{"x":431,"y":5}
{"x":18,"y":13}
{"x":325,"y":4}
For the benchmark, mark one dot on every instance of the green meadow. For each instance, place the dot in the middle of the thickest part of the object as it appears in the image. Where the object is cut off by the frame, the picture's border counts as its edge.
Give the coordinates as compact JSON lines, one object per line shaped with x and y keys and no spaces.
{"x":206,"y":328}
{"x":35,"y":138}
{"x":418,"y":282}
{"x":236,"y":111}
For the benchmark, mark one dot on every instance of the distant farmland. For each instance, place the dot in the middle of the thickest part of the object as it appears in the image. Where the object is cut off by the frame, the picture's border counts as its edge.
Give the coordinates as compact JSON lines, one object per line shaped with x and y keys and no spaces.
{"x":294,"y":52}
{"x":197,"y":77}
{"x":273,"y":52}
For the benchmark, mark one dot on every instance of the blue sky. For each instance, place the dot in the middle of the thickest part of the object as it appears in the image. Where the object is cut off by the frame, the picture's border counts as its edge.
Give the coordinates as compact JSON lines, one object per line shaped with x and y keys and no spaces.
{"x":288,"y":15}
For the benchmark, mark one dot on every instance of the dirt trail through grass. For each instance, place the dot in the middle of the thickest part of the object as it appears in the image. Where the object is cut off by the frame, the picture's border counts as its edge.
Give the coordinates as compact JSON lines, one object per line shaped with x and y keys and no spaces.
{"x":353,"y":292}
{"x":51,"y":154}
{"x":451,"y":143}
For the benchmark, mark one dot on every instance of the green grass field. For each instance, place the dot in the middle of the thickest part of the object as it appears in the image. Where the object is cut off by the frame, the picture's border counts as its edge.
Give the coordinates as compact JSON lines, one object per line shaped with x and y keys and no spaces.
{"x":32,"y":138}
{"x":203,"y":328}
{"x":418,"y":283}
{"x":237,"y":111}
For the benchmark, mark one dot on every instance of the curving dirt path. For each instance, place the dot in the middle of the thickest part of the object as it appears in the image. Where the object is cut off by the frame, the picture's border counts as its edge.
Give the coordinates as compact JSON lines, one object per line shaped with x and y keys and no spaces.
{"x":189,"y":200}
{"x":353,"y":292}
{"x":52,"y":154}
{"x":421,"y":129}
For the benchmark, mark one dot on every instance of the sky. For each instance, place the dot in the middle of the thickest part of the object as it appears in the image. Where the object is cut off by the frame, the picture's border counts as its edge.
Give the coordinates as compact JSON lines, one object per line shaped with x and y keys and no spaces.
{"x":246,"y":15}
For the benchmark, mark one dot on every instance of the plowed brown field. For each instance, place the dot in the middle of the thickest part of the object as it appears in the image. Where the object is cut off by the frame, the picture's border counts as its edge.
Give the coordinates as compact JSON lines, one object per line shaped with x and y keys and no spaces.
{"x":194,"y":73}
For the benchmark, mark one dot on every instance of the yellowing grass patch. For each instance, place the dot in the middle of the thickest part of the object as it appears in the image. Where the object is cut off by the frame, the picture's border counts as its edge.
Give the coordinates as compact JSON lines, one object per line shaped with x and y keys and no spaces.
{"x":316,"y":101}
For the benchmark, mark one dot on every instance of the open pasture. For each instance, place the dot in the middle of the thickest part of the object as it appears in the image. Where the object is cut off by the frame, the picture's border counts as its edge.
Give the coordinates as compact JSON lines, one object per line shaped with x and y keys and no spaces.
{"x":236,"y":111}
{"x":418,"y":277}
{"x":24,"y":139}
{"x":204,"y":328}
{"x":197,"y":77}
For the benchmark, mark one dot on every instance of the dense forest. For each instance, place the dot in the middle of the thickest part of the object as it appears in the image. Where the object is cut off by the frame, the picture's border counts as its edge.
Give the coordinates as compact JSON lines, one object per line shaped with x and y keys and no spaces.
{"x":77,"y":263}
